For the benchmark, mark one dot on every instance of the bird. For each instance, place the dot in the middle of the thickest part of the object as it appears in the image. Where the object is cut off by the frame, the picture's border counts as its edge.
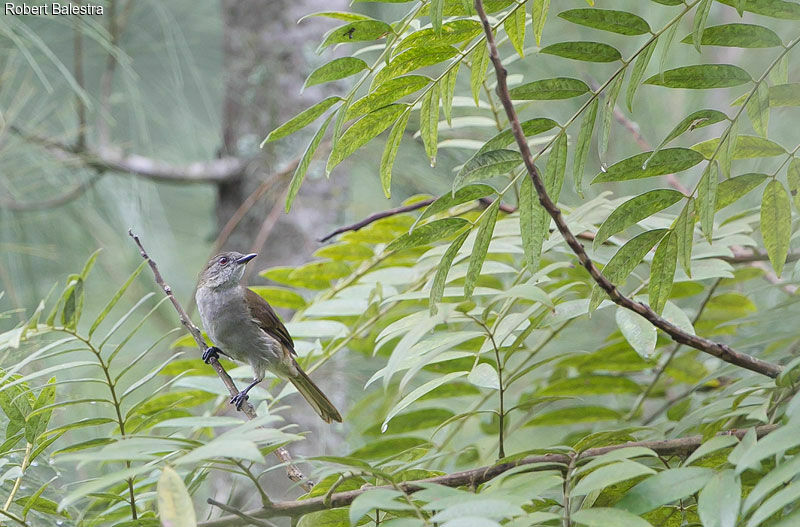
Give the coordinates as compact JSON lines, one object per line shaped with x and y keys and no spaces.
{"x":244,"y":327}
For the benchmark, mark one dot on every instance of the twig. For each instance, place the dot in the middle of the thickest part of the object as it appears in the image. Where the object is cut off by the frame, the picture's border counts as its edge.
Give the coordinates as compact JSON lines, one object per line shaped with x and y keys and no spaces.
{"x":281,"y":453}
{"x":671,"y":447}
{"x":716,"y":349}
{"x":400,"y":210}
{"x":72,"y":194}
{"x":108,"y":158}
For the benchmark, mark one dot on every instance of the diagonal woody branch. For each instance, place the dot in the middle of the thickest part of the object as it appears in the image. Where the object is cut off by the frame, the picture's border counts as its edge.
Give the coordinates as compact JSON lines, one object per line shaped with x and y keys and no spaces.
{"x":281,"y":453}
{"x":681,"y":446}
{"x":719,"y":350}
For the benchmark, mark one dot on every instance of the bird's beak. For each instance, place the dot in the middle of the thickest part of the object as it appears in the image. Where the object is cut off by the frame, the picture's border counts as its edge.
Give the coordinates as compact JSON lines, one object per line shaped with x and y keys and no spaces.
{"x":246,"y":258}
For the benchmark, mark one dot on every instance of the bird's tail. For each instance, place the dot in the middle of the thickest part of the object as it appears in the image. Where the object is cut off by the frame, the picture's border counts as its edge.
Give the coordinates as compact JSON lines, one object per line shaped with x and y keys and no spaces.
{"x":318,"y":401}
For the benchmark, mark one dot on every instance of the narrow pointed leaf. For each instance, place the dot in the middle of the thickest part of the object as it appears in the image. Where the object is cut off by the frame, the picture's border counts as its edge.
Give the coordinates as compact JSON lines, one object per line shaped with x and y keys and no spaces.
{"x":429,"y":122}
{"x":479,"y":60}
{"x":448,"y":88}
{"x":387,"y":93}
{"x":440,"y":279}
{"x":620,"y":22}
{"x":462,"y":195}
{"x":334,"y":70}
{"x":662,"y":272}
{"x":301,"y":120}
{"x":684,"y":233}
{"x":693,"y":121}
{"x":549,"y":89}
{"x":707,"y":198}
{"x":738,"y":36}
{"x":583,"y":144}
{"x":355,"y":31}
{"x":436,"y":11}
{"x":305,"y":161}
{"x":487,"y":165}
{"x":776,"y":223}
{"x":390,"y":152}
{"x":639,"y":67}
{"x":585,"y":51}
{"x":428,"y":233}
{"x":758,"y":110}
{"x":515,"y":29}
{"x":175,"y":508}
{"x":639,"y":333}
{"x":746,"y":147}
{"x":607,"y":115}
{"x":734,"y":188}
{"x":701,"y":77}
{"x":699,"y":24}
{"x":667,"y":161}
{"x":634,"y":210}
{"x":113,"y":302}
{"x":362,"y":131}
{"x":479,"y":250}
{"x":793,"y":178}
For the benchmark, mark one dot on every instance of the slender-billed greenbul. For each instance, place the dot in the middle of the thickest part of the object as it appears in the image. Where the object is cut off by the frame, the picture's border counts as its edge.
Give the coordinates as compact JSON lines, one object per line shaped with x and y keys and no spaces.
{"x":243,"y":326}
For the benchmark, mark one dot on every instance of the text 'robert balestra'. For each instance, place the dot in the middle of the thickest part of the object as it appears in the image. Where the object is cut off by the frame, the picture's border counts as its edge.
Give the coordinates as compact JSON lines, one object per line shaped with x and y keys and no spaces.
{"x":10,"y":8}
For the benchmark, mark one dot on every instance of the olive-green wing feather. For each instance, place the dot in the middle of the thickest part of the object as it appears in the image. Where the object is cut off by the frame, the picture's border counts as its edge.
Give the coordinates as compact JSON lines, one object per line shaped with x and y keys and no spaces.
{"x":267,"y":319}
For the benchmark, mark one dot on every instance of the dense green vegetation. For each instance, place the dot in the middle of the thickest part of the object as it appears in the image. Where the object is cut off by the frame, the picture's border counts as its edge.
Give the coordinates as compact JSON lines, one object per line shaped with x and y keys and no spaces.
{"x":497,"y":378}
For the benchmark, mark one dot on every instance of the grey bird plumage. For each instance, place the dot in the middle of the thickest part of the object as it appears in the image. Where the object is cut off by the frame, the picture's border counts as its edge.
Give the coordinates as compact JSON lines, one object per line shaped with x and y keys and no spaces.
{"x":245,"y":327}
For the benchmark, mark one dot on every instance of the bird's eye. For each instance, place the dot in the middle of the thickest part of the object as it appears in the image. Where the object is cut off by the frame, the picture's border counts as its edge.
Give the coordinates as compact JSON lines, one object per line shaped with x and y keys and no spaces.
{"x":223,"y":260}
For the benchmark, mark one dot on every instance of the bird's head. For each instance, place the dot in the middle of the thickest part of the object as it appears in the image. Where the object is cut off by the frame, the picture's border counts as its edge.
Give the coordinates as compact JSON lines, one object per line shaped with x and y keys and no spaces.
{"x":224,"y":270}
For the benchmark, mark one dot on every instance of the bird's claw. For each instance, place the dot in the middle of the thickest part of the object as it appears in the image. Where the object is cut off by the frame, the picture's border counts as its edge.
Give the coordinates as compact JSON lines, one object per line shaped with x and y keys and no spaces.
{"x":239,"y":399}
{"x":211,"y":353}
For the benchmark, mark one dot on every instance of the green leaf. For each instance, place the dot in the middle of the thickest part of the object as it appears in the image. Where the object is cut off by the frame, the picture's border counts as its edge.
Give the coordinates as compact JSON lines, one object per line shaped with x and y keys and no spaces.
{"x":515,"y":29}
{"x":774,"y":8}
{"x":463,"y":195}
{"x":338,"y":15}
{"x":435,"y":13}
{"x":779,"y":476}
{"x":439,"y":281}
{"x":355,"y":31}
{"x":639,"y":333}
{"x":416,"y":420}
{"x":663,"y":488}
{"x":590,"y":385}
{"x":480,"y":248}
{"x":776,"y":223}
{"x":484,"y":375}
{"x":746,"y":147}
{"x":787,"y":496}
{"x":738,"y":36}
{"x":280,"y":296}
{"x":305,"y":161}
{"x":73,"y":302}
{"x":719,"y":501}
{"x":448,"y":88}
{"x":662,"y":272}
{"x":363,"y":130}
{"x":387,"y":93}
{"x":428,"y":233}
{"x":325,"y":518}
{"x":412,"y":59}
{"x":479,"y":61}
{"x":301,"y":120}
{"x":583,"y":144}
{"x":611,"y":474}
{"x":37,"y":422}
{"x":793,"y":178}
{"x":758,"y":110}
{"x":730,"y":190}
{"x":539,"y":10}
{"x":175,"y":508}
{"x":390,"y":152}
{"x":667,"y":161}
{"x":334,"y":70}
{"x":634,"y":210}
{"x":620,"y":22}
{"x":639,"y":67}
{"x":695,"y":120}
{"x":707,"y":198}
{"x":606,"y":517}
{"x":384,"y":499}
{"x":419,"y":392}
{"x":625,"y":261}
{"x":487,"y":165}
{"x":429,"y":122}
{"x":666,"y":45}
{"x":585,"y":51}
{"x":701,"y":77}
{"x":549,"y":89}
{"x":452,"y":32}
{"x":113,"y":302}
{"x":699,"y":23}
{"x":531,"y":224}
{"x":607,"y":115}
{"x":684,"y":231}
{"x":573,"y":415}
{"x":506,"y":137}
{"x":556,"y":167}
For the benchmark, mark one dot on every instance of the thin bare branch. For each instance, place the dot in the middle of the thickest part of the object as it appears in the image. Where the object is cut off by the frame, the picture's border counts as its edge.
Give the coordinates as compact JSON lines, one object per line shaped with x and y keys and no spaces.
{"x":683,"y":447}
{"x":74,"y":193}
{"x":281,"y":453}
{"x":108,"y":158}
{"x":716,"y":349}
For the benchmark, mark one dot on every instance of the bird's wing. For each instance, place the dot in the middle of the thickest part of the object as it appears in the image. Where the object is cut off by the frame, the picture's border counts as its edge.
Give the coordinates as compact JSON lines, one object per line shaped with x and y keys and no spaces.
{"x":267,"y":320}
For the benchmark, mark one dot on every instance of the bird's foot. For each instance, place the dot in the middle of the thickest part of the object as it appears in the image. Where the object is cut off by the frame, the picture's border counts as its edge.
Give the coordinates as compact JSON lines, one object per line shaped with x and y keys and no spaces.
{"x":239,"y":399}
{"x":211,"y":353}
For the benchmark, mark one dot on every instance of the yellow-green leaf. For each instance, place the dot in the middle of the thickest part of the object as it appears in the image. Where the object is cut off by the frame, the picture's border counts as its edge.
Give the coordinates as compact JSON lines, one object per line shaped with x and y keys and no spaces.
{"x":662,"y":272}
{"x":429,"y":122}
{"x":776,"y":223}
{"x":175,"y":508}
{"x":390,"y":152}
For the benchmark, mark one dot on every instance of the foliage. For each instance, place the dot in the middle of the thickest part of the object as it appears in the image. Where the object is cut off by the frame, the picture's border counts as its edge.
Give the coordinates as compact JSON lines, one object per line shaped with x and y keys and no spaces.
{"x":462,"y":312}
